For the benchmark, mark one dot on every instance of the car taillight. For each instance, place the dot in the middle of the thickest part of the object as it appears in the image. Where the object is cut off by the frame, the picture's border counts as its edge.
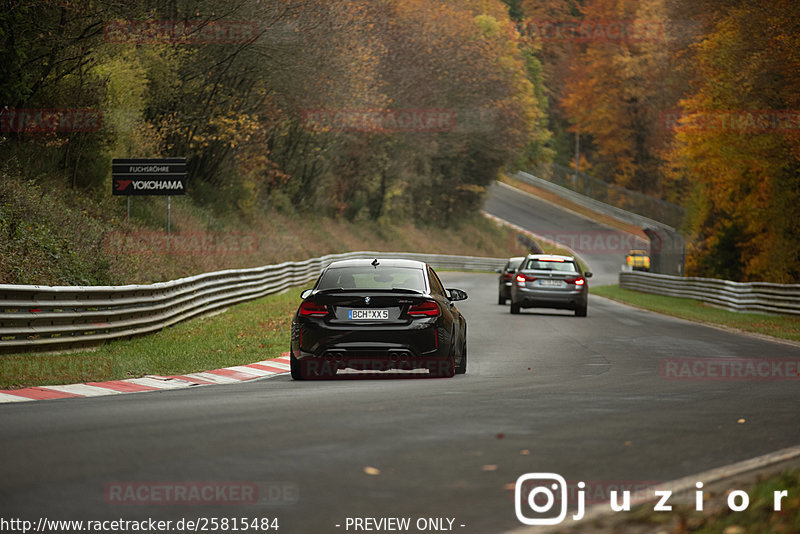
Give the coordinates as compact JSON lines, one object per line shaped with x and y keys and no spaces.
{"x":427,"y":308}
{"x":522,"y":278}
{"x":577,"y":281}
{"x":312,"y":309}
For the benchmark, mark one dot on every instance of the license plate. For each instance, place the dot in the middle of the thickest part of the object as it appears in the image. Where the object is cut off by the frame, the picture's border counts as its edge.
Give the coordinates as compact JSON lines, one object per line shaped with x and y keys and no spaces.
{"x":550,"y":283}
{"x":368,"y":315}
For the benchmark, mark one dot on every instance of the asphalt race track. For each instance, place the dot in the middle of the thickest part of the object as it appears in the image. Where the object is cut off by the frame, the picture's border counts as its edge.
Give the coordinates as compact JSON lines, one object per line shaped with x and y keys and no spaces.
{"x":545,"y":392}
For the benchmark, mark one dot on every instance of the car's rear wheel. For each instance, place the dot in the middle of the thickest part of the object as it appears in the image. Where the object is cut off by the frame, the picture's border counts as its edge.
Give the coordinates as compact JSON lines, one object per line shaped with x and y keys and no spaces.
{"x":294,"y":365}
{"x":462,"y":365}
{"x":445,"y":368}
{"x":581,"y":311}
{"x":448,"y":370}
{"x":514,"y":308}
{"x":311,"y":369}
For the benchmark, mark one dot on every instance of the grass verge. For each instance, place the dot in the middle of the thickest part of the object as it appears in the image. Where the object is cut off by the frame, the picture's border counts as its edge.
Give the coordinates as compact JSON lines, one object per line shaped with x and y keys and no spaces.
{"x":246,"y":333}
{"x":760,"y":516}
{"x":780,"y":326}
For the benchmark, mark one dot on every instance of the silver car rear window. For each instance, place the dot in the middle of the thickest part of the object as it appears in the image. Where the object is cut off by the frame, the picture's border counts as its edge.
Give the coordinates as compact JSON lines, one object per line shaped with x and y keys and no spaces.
{"x":541,"y":265}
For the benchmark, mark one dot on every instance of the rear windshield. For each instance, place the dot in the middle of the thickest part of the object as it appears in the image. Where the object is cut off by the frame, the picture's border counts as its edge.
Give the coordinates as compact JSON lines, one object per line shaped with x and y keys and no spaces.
{"x":543,"y":265}
{"x":513,"y":264}
{"x":372,"y":278}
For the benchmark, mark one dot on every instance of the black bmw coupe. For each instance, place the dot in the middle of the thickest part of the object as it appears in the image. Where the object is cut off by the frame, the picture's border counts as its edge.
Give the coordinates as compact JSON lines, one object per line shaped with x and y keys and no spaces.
{"x":378,"y":315}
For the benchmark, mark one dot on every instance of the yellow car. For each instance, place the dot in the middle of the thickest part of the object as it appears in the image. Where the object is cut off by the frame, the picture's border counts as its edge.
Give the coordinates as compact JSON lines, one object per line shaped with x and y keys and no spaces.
{"x":638,"y":260}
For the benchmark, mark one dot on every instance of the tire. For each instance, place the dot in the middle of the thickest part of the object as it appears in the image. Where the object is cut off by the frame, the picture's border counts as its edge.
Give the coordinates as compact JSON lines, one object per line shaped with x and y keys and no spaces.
{"x":449,"y":370}
{"x":445,"y":368}
{"x":462,"y":365}
{"x":442,"y":368}
{"x":312,"y":369}
{"x":581,"y":311}
{"x":297,"y":372}
{"x":501,"y":300}
{"x":514,"y":308}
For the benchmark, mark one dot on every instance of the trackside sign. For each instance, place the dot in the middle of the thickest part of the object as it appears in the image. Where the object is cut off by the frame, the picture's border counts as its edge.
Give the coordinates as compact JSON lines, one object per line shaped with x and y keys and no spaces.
{"x":147,"y":176}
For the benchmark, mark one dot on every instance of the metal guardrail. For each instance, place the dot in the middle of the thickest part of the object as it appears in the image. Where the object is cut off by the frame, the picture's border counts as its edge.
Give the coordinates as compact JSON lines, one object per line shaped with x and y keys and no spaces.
{"x":48,"y":318}
{"x":667,"y":245}
{"x":626,"y":199}
{"x":736,"y":296}
{"x":586,"y":201}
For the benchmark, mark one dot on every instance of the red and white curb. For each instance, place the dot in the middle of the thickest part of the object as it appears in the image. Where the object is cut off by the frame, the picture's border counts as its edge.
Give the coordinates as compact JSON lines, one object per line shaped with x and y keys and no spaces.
{"x":227,"y":375}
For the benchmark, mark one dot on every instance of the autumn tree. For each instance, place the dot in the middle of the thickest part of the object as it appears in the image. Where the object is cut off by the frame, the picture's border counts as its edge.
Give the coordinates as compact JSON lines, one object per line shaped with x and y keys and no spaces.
{"x":737,"y":144}
{"x":238,"y":108}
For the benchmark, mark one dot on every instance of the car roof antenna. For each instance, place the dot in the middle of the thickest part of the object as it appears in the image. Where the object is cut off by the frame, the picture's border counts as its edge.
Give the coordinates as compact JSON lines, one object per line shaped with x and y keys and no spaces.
{"x":375,"y":263}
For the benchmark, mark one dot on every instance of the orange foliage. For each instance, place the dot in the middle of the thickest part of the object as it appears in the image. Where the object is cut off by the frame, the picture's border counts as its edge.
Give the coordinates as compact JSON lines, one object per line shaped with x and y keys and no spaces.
{"x":745,"y":165}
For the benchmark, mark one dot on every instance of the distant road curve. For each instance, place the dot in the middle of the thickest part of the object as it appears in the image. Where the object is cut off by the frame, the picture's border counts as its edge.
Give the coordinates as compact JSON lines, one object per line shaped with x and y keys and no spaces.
{"x":602,"y":247}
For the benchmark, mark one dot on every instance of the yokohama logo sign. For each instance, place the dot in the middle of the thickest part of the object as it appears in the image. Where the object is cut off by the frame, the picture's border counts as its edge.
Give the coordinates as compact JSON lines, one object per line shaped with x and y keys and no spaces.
{"x":174,"y":186}
{"x":140,"y":176}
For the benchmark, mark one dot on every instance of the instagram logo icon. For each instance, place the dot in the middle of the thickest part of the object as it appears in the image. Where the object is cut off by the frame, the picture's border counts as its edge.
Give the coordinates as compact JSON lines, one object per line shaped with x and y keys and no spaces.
{"x":541,"y":499}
